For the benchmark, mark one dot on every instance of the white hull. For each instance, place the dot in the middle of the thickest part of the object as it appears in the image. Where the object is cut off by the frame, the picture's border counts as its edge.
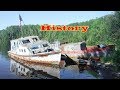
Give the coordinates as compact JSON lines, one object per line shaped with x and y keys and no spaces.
{"x":45,"y":59}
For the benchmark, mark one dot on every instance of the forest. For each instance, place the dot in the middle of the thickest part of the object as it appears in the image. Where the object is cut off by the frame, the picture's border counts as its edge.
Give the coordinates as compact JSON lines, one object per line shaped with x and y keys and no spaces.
{"x":103,"y":30}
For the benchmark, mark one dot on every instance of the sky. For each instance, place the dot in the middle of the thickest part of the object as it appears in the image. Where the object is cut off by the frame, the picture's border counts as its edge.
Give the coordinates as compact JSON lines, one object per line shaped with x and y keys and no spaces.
{"x":8,"y":18}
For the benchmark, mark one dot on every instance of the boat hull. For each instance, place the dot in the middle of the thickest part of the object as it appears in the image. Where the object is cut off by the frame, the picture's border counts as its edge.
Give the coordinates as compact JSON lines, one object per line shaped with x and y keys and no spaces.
{"x":50,"y":59}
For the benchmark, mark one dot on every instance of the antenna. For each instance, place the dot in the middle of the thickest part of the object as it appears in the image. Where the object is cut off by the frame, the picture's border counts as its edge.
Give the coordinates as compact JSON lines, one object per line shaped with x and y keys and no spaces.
{"x":20,"y":19}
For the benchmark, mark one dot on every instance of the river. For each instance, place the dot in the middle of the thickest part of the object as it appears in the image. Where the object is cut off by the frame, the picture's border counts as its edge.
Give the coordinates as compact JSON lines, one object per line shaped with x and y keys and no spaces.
{"x":10,"y":69}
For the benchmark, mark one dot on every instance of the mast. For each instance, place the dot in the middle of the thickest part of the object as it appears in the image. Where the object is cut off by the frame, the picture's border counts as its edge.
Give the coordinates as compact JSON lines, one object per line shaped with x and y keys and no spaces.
{"x":20,"y":19}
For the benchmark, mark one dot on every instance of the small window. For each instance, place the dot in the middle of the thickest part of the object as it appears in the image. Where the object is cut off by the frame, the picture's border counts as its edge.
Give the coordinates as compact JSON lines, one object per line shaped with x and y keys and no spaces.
{"x":26,"y":41}
{"x":34,"y":39}
{"x":17,"y":44}
{"x":14,"y":43}
{"x":24,"y":69}
{"x":24,"y":50}
{"x":33,"y":52}
{"x":35,"y":47}
{"x":45,"y":45}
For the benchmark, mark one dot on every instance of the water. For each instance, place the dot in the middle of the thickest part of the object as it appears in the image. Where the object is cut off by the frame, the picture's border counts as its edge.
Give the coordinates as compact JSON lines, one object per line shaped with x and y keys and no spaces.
{"x":10,"y":69}
{"x":5,"y":68}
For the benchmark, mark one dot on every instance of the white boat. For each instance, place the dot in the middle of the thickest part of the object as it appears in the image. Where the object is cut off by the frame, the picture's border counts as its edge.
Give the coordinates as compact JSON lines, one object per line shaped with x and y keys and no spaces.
{"x":32,"y":49}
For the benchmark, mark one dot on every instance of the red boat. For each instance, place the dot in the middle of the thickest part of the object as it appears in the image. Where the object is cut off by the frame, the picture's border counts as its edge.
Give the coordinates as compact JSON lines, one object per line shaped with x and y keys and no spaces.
{"x":80,"y":50}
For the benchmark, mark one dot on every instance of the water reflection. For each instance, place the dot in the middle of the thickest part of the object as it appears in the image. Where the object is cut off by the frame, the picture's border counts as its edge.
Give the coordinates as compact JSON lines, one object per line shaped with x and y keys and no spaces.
{"x":36,"y":71}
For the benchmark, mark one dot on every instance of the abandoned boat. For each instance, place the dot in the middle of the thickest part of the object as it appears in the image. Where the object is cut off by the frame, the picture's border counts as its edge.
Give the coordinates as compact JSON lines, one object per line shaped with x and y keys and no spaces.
{"x":79,"y":50}
{"x":32,"y":49}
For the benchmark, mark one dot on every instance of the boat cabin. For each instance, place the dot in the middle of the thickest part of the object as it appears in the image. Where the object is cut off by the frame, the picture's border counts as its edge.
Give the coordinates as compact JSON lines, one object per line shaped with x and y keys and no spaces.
{"x":29,"y":45}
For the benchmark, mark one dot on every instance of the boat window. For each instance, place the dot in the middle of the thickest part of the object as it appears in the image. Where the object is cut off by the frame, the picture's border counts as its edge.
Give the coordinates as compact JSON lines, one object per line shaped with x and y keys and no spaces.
{"x":17,"y":43}
{"x":24,"y":69}
{"x":33,"y":52}
{"x":26,"y":41}
{"x":14,"y":43}
{"x":34,"y":39}
{"x":24,"y":50}
{"x":35,"y":47}
{"x":45,"y":45}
